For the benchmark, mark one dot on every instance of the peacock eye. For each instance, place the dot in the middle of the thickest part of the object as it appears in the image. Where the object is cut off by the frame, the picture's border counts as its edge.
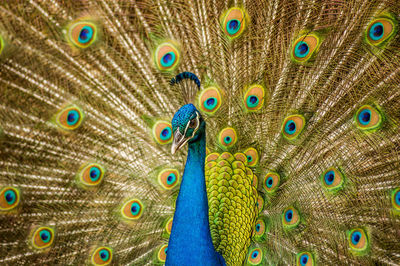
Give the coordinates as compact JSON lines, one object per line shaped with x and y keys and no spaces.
{"x":304,"y":47}
{"x":290,"y":218}
{"x":162,"y":132}
{"x":358,"y":240}
{"x":380,"y":30}
{"x":234,"y":22}
{"x":260,"y":229}
{"x":166,"y":56}
{"x":132,"y":209}
{"x":332,"y":179}
{"x":82,"y":34}
{"x":162,"y":253}
{"x":1,"y":44}
{"x":292,"y":126}
{"x":168,"y":226}
{"x":193,"y":123}
{"x":396,"y":199}
{"x":271,"y":182}
{"x":43,"y":237}
{"x":102,"y":256}
{"x":227,"y":137}
{"x":9,"y":198}
{"x":210,"y":100}
{"x":168,"y":178}
{"x":70,"y":118}
{"x":252,"y":156}
{"x":91,"y":175}
{"x":368,"y":118}
{"x":254,"y":98}
{"x":305,"y":259}
{"x":255,"y":256}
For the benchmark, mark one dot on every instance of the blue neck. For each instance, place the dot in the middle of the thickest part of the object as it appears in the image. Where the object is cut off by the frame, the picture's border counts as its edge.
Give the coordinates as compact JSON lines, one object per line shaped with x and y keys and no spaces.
{"x":190,"y":241}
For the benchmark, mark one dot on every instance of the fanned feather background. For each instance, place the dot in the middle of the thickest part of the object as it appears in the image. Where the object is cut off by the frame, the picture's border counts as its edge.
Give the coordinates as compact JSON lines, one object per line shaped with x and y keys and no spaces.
{"x":86,"y":105}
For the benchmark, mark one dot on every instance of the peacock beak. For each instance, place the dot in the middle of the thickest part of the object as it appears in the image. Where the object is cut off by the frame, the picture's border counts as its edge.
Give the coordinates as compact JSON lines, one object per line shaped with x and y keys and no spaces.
{"x":178,"y":142}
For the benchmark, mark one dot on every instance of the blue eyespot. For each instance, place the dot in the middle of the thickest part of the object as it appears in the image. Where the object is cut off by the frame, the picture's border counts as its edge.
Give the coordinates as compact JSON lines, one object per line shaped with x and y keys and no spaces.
{"x":329,"y":177}
{"x":85,"y":35}
{"x":289,"y":215}
{"x":73,"y":117}
{"x":304,"y":259}
{"x":104,"y":254}
{"x":233,"y":26}
{"x":364,"y":117}
{"x":252,"y":101}
{"x":10,"y":196}
{"x":376,"y":31}
{"x":210,"y":103}
{"x":301,"y":50}
{"x":168,"y":59}
{"x":355,"y":237}
{"x":269,"y":182}
{"x":171,"y":179}
{"x":290,"y":127}
{"x":397,"y":198}
{"x":228,"y":139}
{"x":135,"y":208}
{"x":42,"y":237}
{"x":254,"y":254}
{"x":94,"y":173}
{"x":249,"y":158}
{"x":258,"y":226}
{"x":45,"y":236}
{"x":165,"y":133}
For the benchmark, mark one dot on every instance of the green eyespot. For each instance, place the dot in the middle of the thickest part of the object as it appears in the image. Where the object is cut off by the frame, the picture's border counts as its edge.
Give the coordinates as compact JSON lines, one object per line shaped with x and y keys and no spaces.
{"x":368,"y":118}
{"x":255,"y":256}
{"x":102,"y":256}
{"x":292,"y":126}
{"x":254,"y":98}
{"x":162,"y":132}
{"x":304,"y":259}
{"x":168,"y":178}
{"x":358,"y":241}
{"x":290,"y":218}
{"x":132,"y":209}
{"x":305,"y":47}
{"x":210,"y":100}
{"x":42,"y":237}
{"x":82,"y":34}
{"x":167,"y":56}
{"x":70,"y":118}
{"x":332,"y":179}
{"x":381,"y":30}
{"x":227,"y":137}
{"x":91,"y":175}
{"x":271,"y":182}
{"x":234,"y":22}
{"x":9,"y":198}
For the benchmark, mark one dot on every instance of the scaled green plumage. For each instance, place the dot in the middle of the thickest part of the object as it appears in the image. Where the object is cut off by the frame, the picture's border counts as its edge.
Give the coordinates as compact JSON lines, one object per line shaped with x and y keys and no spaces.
{"x":232,"y":204}
{"x":86,"y":83}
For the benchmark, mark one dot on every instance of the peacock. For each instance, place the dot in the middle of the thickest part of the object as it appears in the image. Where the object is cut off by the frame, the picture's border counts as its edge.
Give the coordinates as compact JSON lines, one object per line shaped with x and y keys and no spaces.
{"x":193,"y":132}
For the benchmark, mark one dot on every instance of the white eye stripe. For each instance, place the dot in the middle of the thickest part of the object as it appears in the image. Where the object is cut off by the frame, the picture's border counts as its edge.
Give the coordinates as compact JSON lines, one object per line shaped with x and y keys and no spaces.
{"x":196,"y":128}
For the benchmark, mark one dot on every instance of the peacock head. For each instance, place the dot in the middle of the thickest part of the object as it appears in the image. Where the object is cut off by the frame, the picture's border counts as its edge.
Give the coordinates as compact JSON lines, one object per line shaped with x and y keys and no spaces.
{"x":187,"y":126}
